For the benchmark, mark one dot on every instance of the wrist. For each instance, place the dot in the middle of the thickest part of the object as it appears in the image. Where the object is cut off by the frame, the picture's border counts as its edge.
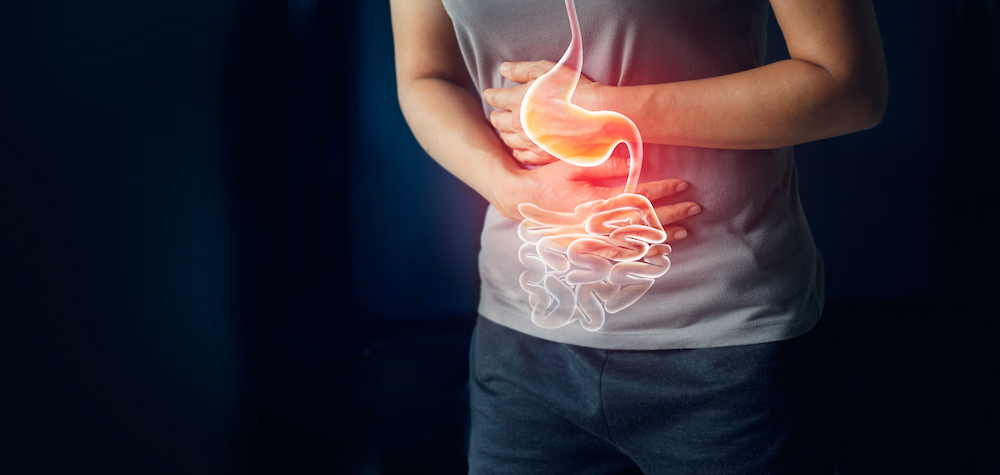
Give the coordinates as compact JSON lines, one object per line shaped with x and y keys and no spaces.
{"x":588,"y":96}
{"x":599,"y":90}
{"x":499,"y":183}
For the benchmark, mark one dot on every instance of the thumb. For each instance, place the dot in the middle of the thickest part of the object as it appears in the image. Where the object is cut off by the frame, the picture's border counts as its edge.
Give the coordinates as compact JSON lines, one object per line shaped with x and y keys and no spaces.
{"x":655,"y":190}
{"x":524,"y":71}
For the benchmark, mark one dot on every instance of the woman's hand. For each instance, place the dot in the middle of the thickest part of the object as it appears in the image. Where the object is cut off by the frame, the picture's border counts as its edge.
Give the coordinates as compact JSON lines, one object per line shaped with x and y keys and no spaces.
{"x":507,"y":120}
{"x":561,"y":186}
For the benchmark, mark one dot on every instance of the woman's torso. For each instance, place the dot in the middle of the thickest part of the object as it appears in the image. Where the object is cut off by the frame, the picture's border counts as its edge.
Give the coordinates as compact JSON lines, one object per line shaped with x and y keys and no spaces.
{"x":748,"y":272}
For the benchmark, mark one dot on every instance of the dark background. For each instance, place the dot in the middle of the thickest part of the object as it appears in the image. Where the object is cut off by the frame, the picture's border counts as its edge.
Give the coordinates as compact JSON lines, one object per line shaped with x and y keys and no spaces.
{"x":202,"y":270}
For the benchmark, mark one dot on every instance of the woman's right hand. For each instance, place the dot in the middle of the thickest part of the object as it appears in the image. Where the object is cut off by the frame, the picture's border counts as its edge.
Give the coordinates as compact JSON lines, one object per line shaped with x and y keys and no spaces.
{"x":507,"y":118}
{"x":560,"y":186}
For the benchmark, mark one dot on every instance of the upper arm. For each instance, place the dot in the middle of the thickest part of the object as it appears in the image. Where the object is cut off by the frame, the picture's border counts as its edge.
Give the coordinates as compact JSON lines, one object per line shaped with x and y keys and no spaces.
{"x":842,"y":37}
{"x":425,"y":43}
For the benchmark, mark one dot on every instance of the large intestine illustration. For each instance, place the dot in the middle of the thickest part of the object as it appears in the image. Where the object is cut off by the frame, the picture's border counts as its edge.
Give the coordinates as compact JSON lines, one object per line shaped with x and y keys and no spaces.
{"x":605,"y":255}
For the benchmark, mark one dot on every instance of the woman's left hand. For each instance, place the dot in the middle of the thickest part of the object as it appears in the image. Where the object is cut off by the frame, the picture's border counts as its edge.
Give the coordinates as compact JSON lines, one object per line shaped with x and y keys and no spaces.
{"x":507,"y":120}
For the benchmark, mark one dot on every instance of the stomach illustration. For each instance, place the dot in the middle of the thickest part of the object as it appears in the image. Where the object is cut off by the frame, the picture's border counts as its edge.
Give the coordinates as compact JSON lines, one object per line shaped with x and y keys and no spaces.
{"x":604,"y":256}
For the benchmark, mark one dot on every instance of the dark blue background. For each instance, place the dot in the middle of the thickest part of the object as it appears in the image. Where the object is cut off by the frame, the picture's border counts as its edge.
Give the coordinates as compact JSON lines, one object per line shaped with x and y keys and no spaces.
{"x":222,"y":251}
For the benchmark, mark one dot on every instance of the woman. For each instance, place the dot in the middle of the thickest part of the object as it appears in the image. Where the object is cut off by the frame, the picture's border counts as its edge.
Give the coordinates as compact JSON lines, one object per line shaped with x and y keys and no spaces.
{"x":714,"y":370}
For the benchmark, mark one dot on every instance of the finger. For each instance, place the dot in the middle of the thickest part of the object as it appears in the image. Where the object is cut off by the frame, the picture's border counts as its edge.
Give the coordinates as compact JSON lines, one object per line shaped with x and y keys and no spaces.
{"x":506,"y":98}
{"x":545,"y":217}
{"x":505,"y":121}
{"x":655,"y":190}
{"x":528,"y":157}
{"x":675,"y":233}
{"x":616,"y":166}
{"x":525,"y":150}
{"x":516,"y":142}
{"x":676,"y":212}
{"x":524,"y":71}
{"x":612,"y":167}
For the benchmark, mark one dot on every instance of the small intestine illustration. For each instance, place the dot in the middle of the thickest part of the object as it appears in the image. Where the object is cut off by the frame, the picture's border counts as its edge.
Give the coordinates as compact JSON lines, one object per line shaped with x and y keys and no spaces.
{"x":605,"y":255}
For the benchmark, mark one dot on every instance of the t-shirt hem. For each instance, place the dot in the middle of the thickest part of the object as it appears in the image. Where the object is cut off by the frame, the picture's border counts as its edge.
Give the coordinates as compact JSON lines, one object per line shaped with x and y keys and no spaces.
{"x":700,"y":336}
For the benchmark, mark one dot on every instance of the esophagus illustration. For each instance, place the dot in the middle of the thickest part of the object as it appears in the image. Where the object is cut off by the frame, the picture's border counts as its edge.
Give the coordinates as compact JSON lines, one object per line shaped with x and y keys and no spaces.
{"x":604,"y":256}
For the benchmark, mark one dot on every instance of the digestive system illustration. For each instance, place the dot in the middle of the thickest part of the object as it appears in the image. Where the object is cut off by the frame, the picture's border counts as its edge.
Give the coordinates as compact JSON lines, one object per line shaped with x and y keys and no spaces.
{"x":602,"y":257}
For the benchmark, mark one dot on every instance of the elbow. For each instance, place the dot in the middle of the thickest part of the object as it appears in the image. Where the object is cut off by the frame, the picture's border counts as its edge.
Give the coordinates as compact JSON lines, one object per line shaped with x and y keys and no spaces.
{"x":858,"y":94}
{"x":868,"y":101}
{"x":873,"y":106}
{"x":401,"y":96}
{"x":403,"y":84}
{"x":858,"y":107}
{"x":401,"y":100}
{"x":406,"y":95}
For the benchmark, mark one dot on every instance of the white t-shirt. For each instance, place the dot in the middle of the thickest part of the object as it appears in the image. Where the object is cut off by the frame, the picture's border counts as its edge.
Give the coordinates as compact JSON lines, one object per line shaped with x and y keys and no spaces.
{"x":748,"y":272}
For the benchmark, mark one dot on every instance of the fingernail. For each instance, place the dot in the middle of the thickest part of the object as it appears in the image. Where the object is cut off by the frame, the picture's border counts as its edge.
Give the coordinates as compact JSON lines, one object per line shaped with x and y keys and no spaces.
{"x":683,"y":186}
{"x":680,"y":234}
{"x":504,"y":66}
{"x":694,"y":210}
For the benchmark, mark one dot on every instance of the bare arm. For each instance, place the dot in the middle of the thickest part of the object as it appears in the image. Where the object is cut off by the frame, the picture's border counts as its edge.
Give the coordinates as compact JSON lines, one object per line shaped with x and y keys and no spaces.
{"x":433,"y":88}
{"x":432,"y":85}
{"x":835,"y":83}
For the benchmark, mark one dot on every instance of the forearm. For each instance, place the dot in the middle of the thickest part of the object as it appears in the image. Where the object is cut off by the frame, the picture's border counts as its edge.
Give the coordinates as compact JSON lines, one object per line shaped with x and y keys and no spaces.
{"x":834,"y":84}
{"x":446,"y":118}
{"x":448,"y":123}
{"x":780,"y":104}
